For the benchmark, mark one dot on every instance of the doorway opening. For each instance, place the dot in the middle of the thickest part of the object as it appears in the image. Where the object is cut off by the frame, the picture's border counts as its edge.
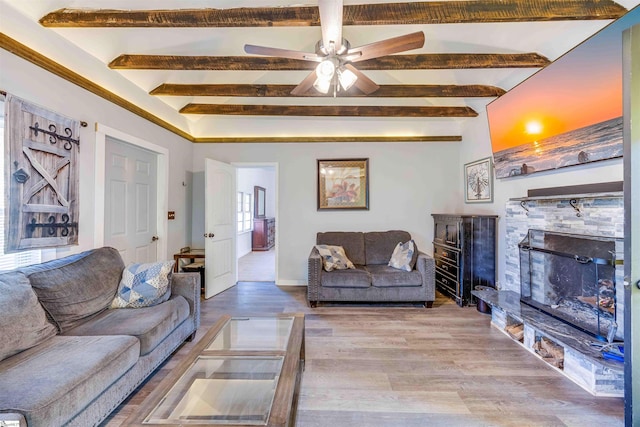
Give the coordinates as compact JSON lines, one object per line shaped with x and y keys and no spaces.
{"x":257,"y":225}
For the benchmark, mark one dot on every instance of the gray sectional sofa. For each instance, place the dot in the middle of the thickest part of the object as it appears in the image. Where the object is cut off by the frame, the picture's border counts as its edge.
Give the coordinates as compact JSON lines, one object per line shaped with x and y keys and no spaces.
{"x":372,"y":280}
{"x":68,"y":359}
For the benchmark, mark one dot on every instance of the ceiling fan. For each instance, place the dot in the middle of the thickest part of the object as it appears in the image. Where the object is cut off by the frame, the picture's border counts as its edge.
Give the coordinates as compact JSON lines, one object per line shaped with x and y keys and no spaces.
{"x":335,"y":57}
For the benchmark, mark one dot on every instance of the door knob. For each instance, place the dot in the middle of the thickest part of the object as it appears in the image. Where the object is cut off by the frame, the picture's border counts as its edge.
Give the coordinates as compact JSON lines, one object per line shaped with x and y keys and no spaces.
{"x":209,"y":235}
{"x":154,"y":238}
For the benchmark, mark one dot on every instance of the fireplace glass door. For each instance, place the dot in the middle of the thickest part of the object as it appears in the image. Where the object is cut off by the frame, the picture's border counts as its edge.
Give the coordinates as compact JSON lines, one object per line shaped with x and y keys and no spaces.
{"x":571,"y":277}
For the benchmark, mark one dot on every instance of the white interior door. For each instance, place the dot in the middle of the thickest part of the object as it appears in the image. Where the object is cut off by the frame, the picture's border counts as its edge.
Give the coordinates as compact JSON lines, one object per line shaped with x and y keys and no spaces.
{"x":220,"y":227}
{"x":130,"y":214}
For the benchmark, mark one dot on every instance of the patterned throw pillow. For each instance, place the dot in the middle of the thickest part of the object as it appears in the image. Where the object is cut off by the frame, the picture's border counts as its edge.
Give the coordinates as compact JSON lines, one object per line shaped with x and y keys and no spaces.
{"x":144,"y":285}
{"x":334,"y":258}
{"x":402,"y":256}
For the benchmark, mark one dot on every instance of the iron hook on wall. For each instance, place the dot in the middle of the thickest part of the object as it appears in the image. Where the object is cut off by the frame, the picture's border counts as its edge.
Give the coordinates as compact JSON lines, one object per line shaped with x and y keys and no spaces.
{"x":574,"y":205}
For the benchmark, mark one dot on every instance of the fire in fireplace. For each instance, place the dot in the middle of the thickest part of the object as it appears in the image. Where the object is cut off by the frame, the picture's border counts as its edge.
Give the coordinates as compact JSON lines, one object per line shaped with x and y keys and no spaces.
{"x":572,"y":278}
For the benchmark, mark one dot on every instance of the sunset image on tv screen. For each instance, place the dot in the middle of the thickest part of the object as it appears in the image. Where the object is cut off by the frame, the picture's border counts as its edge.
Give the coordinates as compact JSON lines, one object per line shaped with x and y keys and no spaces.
{"x":570,"y":113}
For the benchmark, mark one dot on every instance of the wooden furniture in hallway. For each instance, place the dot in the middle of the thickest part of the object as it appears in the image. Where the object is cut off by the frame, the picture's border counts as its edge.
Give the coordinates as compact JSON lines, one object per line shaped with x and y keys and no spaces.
{"x":263,"y":236}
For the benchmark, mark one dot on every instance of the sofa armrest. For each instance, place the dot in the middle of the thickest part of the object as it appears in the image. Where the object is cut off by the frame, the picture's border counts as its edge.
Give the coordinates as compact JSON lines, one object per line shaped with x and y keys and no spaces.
{"x":188,"y":285}
{"x":314,"y":264}
{"x":426,"y":265}
{"x":12,"y":419}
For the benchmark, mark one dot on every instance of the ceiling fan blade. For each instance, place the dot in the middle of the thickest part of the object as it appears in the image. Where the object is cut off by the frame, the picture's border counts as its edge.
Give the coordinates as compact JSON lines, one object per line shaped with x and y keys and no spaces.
{"x":281,"y":53}
{"x":364,"y":83}
{"x":305,"y":85}
{"x":331,"y":23}
{"x":387,"y":47}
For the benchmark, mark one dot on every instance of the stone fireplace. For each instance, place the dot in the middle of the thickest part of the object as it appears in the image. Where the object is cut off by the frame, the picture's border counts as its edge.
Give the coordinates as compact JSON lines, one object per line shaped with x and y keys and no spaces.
{"x":587,"y":220}
{"x":562,"y":293}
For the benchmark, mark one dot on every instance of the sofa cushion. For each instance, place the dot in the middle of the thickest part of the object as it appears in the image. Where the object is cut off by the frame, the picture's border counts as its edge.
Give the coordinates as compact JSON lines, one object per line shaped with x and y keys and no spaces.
{"x":383,"y":276}
{"x":352,"y":242}
{"x":379,"y":245}
{"x":151,"y":325}
{"x":404,"y":256}
{"x":334,"y":258}
{"x":53,"y":381}
{"x":356,"y":278}
{"x":77,"y":287}
{"x":23,"y":321}
{"x":144,"y":285}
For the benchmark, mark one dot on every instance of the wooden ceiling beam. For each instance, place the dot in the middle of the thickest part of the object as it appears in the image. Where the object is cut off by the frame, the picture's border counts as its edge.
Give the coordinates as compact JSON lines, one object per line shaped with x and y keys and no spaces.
{"x":273,"y":90}
{"x":432,"y":12}
{"x":327,"y":110}
{"x":320,"y":139}
{"x":38,"y":59}
{"x":431,"y":61}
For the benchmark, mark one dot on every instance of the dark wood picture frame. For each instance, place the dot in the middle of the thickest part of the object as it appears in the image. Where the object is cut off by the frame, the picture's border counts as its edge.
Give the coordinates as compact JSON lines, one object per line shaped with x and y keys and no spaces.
{"x":343,"y":184}
{"x":259,"y":202}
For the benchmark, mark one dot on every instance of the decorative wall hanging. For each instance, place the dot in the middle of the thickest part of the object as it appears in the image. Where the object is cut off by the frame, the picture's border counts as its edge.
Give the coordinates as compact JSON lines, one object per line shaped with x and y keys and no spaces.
{"x":478,"y":178}
{"x":343,"y":184}
{"x":41,"y":170}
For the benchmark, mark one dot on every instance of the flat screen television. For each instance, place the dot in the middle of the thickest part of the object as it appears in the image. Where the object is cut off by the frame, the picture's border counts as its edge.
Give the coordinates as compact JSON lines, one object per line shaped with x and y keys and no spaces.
{"x":567,"y":114}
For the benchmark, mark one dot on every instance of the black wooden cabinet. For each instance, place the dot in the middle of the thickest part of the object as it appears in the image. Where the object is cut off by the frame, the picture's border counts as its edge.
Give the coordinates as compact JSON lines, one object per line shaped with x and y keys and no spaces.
{"x":464,"y":248}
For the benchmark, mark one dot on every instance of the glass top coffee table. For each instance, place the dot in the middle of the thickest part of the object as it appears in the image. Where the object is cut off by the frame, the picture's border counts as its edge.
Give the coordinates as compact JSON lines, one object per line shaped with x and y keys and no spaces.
{"x":244,"y":372}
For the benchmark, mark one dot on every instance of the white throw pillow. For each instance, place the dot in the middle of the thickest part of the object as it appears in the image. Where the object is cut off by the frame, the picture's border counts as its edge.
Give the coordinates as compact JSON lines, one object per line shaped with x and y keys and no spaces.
{"x":403,"y":255}
{"x":334,"y":258}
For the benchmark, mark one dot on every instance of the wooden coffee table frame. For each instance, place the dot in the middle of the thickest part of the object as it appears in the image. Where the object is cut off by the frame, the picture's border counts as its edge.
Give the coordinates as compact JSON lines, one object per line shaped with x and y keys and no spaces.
{"x":285,"y":401}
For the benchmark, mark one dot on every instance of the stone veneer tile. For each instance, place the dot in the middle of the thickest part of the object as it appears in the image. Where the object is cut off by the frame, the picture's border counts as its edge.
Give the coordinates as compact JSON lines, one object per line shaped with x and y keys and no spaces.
{"x":599,"y":217}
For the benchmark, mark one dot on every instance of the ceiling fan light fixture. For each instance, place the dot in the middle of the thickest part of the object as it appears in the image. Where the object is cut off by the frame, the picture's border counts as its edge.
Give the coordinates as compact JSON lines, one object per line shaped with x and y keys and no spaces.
{"x":346,"y":77}
{"x":322,"y":85}
{"x":325,"y":70}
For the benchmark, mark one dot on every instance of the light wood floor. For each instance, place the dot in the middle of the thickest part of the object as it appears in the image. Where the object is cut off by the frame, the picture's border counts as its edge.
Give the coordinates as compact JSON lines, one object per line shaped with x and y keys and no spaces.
{"x":406,"y":366}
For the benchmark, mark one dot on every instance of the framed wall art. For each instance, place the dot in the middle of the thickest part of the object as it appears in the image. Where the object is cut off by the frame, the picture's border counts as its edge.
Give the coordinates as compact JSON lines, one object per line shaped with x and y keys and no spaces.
{"x":478,"y":179}
{"x":42,"y":177}
{"x":343,"y":184}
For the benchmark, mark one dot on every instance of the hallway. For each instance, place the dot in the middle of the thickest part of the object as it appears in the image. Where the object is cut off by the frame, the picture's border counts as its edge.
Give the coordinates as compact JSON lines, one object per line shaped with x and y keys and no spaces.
{"x":257,"y":266}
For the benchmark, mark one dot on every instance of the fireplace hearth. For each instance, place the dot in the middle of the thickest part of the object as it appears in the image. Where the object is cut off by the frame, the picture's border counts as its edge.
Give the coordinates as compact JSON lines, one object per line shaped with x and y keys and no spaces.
{"x":572,"y":278}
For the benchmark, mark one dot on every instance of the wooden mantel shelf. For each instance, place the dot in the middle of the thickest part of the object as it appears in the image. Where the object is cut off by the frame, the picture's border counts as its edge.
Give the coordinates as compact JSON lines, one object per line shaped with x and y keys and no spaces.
{"x":600,"y":190}
{"x":606,"y":195}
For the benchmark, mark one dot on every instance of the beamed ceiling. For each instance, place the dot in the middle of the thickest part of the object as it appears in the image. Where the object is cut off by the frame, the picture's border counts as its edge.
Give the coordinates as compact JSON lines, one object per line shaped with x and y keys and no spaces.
{"x":182,"y":64}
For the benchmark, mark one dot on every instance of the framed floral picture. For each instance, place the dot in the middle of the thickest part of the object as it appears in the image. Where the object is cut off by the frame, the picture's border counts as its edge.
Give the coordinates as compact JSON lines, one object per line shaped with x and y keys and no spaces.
{"x":478,"y":179}
{"x":343,"y":184}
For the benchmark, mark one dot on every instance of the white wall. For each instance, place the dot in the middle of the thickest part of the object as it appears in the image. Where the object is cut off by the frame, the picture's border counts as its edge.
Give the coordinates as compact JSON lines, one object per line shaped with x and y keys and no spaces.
{"x":36,"y":85}
{"x":408,"y":182}
{"x":476,"y":144}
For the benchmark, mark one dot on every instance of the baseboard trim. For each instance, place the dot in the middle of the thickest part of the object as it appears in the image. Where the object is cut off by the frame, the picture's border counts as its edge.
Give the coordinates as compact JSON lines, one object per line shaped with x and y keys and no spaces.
{"x":282,"y":282}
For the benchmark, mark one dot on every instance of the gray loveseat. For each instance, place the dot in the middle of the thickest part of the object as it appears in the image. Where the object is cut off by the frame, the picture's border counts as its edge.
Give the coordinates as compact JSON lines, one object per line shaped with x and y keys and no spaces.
{"x":372,"y":280}
{"x":68,"y":359}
